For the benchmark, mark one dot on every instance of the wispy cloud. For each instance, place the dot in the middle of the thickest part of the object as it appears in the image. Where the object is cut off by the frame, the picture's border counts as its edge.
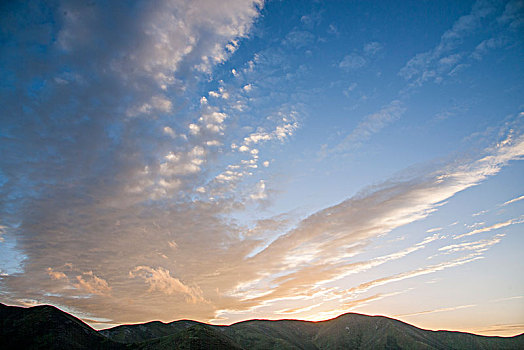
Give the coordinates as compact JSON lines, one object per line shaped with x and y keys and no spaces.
{"x":453,"y":308}
{"x":509,"y":329}
{"x":364,"y":287}
{"x":316,"y":251}
{"x":491,"y":227}
{"x":433,"y":64}
{"x":478,"y":246}
{"x":513,"y":200}
{"x":369,"y":125}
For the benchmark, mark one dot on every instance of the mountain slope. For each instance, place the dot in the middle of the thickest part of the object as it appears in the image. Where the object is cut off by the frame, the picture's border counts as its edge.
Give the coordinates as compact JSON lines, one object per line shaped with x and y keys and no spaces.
{"x":198,"y":337}
{"x":282,"y":334}
{"x":46,"y":327}
{"x":151,"y":330}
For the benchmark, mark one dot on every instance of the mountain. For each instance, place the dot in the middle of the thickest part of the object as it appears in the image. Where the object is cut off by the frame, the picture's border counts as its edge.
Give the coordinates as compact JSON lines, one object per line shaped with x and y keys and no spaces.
{"x":46,"y":327}
{"x":198,"y":337}
{"x":356,"y":331}
{"x":139,"y":332}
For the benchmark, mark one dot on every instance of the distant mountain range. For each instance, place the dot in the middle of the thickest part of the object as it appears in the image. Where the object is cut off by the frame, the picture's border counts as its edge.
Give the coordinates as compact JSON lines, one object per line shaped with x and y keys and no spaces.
{"x":46,"y":327}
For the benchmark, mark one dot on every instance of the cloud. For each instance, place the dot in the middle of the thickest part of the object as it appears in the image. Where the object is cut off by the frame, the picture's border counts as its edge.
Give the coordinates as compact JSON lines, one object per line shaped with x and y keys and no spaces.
{"x":3,"y":230}
{"x":492,"y":227}
{"x":349,"y":89}
{"x":433,"y":64}
{"x":370,"y":125}
{"x":316,"y":250}
{"x":512,"y":15}
{"x":478,"y":246}
{"x":513,"y":200}
{"x":112,"y":164}
{"x":322,"y":237}
{"x":444,"y":309}
{"x":504,"y":329}
{"x":352,"y":61}
{"x":160,"y":280}
{"x":260,"y":191}
{"x":56,"y":275}
{"x":225,"y":183}
{"x":92,"y":284}
{"x":372,"y":48}
{"x":286,"y":128}
{"x":414,"y":273}
{"x":355,"y":60}
{"x":299,"y":39}
{"x":487,"y":45}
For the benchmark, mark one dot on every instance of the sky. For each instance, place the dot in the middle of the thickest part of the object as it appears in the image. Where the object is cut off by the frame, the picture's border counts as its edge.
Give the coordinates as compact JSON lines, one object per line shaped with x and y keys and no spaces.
{"x":230,"y":160}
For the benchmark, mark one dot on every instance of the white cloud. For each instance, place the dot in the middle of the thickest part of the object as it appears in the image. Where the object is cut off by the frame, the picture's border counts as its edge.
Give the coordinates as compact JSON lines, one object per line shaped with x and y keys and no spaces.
{"x":492,"y":227}
{"x":486,"y":45}
{"x":370,"y":125}
{"x":213,"y":143}
{"x":194,"y":129}
{"x":478,"y":246}
{"x":298,"y":38}
{"x":372,"y":48}
{"x":513,"y":200}
{"x":260,"y":191}
{"x":169,"y":131}
{"x":433,"y":64}
{"x":352,"y":61}
{"x":444,"y":309}
{"x":414,"y":273}
{"x":3,"y":230}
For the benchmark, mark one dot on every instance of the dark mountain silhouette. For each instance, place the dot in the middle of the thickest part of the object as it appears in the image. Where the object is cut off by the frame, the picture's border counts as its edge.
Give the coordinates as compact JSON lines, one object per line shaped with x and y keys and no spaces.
{"x":46,"y":327}
{"x":197,"y":337}
{"x":151,"y":330}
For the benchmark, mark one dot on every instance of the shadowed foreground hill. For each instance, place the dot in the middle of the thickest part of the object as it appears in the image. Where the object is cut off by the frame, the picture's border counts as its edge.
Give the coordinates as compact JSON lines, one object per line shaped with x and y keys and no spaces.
{"x":151,"y":330}
{"x":46,"y":327}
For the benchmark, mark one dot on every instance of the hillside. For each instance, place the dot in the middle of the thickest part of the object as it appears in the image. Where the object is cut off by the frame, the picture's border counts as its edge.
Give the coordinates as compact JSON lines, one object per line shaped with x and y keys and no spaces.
{"x":151,"y":330}
{"x":46,"y":327}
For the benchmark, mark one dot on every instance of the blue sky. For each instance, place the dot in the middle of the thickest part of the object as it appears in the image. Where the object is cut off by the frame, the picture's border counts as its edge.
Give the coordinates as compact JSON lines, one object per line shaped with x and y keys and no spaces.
{"x":249,"y":159}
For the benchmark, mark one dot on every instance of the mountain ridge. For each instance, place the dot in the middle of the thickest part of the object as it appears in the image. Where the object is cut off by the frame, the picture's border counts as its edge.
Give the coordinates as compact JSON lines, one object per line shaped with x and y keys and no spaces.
{"x":47,"y":327}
